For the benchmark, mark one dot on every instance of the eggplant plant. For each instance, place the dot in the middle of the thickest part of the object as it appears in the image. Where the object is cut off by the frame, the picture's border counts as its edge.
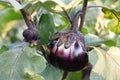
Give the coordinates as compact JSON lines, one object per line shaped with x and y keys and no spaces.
{"x":59,"y":40}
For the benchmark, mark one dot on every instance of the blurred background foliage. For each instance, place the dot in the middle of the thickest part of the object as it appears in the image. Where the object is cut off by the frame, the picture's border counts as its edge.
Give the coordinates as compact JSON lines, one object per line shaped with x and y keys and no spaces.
{"x":101,"y":29}
{"x":12,"y":24}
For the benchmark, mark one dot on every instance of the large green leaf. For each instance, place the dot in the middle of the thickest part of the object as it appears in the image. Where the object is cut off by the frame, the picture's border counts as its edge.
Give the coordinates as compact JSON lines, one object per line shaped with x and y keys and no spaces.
{"x":106,"y":64}
{"x":114,"y":24}
{"x":46,"y":27}
{"x":21,"y":62}
{"x":52,"y":73}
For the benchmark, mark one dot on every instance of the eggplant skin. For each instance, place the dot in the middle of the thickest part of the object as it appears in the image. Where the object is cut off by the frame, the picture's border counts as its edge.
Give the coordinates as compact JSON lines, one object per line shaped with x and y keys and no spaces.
{"x":74,"y":57}
{"x":30,"y":35}
{"x":77,"y":64}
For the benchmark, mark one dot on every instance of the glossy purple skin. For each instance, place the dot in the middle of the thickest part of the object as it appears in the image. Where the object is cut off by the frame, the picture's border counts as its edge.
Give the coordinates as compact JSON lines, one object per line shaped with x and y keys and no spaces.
{"x":73,"y":58}
{"x":30,"y":35}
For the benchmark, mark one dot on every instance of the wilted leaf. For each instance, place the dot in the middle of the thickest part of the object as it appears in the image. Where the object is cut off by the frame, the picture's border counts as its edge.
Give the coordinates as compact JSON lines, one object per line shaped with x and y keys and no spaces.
{"x":46,"y":28}
{"x":114,"y":24}
{"x":15,"y":62}
{"x":106,"y":64}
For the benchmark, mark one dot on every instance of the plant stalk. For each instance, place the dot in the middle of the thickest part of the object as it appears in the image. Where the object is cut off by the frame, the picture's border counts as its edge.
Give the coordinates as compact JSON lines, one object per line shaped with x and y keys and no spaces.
{"x":27,"y":17}
{"x":75,"y":21}
{"x":68,"y":17}
{"x":84,"y":8}
{"x":65,"y":75}
{"x":86,"y":72}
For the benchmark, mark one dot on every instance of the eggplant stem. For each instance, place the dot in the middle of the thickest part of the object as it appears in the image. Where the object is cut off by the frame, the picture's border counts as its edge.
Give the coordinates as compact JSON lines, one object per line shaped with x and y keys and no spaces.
{"x":65,"y":74}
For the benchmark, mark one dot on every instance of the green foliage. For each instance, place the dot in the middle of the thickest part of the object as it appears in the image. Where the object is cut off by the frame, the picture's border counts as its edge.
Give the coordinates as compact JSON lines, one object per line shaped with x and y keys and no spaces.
{"x":33,"y":76}
{"x":106,"y":64}
{"x":8,"y":19}
{"x":110,"y":43}
{"x":46,"y":27}
{"x":93,"y":40}
{"x":3,"y":49}
{"x":21,"y":62}
{"x":75,"y":76}
{"x":52,"y":73}
{"x":114,"y":24}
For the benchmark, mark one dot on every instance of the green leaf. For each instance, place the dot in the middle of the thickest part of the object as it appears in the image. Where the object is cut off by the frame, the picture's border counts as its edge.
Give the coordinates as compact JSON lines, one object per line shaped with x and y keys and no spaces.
{"x":93,"y":58}
{"x":110,"y":43}
{"x":16,"y":4}
{"x":52,"y":73}
{"x":67,"y":4}
{"x":85,"y":30}
{"x":63,"y":24}
{"x":93,"y":40}
{"x":46,"y":28}
{"x":75,"y":76}
{"x":49,"y":6}
{"x":54,"y":6}
{"x":8,"y":18}
{"x":114,"y":24}
{"x":32,"y":76}
{"x":15,"y":62}
{"x":3,"y":49}
{"x":33,"y":7}
{"x":106,"y":64}
{"x":4,"y":5}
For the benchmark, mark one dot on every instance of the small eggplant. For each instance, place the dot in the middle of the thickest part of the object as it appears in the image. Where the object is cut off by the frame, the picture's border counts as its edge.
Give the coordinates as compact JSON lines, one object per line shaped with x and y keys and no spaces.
{"x":67,"y":51}
{"x":30,"y":35}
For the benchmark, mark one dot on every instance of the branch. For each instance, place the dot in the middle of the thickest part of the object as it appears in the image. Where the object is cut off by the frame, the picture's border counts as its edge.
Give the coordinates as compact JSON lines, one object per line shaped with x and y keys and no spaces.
{"x":96,"y":6}
{"x":65,"y":75}
{"x":75,"y":20}
{"x":84,"y":8}
{"x":68,"y":17}
{"x":86,"y":72}
{"x":27,"y":17}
